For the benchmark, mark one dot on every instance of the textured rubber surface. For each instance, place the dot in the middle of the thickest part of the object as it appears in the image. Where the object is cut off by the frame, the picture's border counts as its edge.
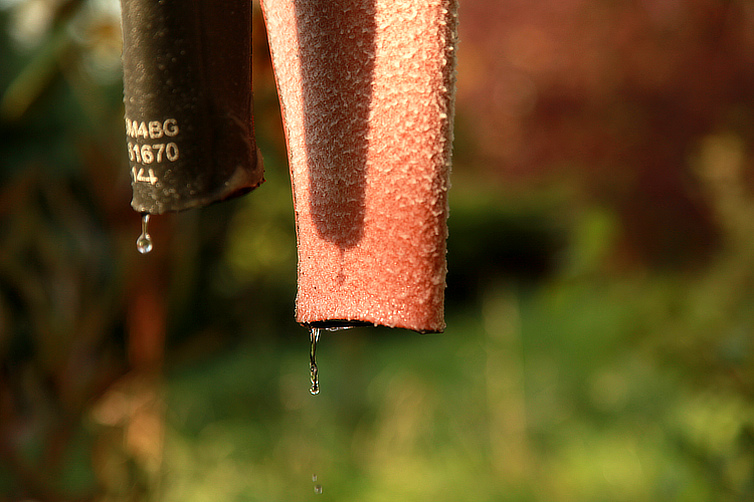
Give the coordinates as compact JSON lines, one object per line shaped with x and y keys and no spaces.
{"x":366,"y":88}
{"x":188,"y":102}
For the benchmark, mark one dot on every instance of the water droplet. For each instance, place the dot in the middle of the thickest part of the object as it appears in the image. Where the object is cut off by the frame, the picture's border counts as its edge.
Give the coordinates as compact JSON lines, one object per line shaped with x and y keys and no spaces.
{"x":317,"y":487}
{"x":144,"y":242}
{"x":314,"y":372}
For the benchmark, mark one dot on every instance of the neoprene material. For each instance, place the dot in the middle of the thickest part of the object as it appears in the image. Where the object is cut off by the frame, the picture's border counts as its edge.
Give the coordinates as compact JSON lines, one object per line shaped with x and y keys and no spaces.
{"x":188,"y":102}
{"x":366,"y":88}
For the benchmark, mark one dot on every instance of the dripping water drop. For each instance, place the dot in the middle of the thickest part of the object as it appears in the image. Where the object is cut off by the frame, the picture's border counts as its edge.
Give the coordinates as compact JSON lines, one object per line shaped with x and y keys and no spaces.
{"x":313,"y":371}
{"x":144,"y":242}
{"x":317,"y":487}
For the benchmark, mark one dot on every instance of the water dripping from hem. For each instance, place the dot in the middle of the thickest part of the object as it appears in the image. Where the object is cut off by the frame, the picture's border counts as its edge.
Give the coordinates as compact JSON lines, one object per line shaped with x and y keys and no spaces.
{"x":144,"y":242}
{"x":313,"y":370}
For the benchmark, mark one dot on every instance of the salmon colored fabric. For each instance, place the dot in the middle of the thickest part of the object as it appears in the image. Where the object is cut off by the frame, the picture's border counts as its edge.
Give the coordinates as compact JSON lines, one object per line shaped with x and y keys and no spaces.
{"x":366,"y":89}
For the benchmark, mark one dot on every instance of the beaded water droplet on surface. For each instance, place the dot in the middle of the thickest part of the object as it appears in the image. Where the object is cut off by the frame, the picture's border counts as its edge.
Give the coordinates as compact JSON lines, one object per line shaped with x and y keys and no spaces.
{"x":144,"y":242}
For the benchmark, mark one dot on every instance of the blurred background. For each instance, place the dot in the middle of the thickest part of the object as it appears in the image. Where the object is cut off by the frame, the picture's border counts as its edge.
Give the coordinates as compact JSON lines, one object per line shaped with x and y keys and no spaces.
{"x":600,"y":340}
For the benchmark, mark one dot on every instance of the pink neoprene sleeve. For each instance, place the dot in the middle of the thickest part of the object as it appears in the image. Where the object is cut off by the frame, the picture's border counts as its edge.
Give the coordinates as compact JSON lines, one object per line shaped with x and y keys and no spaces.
{"x":366,"y":88}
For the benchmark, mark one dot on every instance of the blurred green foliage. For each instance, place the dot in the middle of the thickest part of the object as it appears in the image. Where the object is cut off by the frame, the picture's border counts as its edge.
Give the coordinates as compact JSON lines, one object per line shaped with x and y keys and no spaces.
{"x":599,"y":306}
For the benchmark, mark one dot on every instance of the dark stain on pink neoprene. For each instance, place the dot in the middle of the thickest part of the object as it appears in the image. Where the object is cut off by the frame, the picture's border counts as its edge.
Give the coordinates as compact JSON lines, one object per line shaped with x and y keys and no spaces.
{"x":337,"y":45}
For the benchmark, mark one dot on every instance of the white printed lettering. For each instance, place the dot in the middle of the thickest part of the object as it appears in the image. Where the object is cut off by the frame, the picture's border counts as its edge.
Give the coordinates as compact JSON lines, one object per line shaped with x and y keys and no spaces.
{"x":171,"y":152}
{"x":129,"y":128}
{"x":170,"y":127}
{"x":146,"y":154}
{"x":144,"y":178}
{"x":155,"y":129}
{"x":160,"y":147}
